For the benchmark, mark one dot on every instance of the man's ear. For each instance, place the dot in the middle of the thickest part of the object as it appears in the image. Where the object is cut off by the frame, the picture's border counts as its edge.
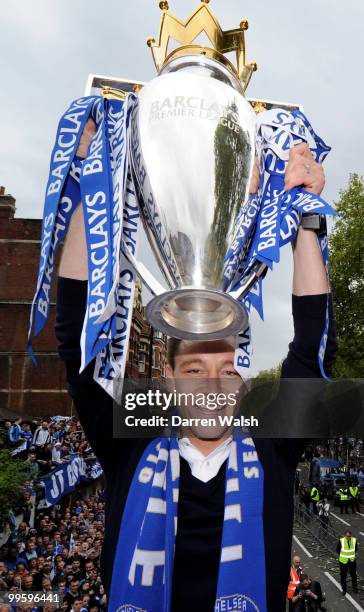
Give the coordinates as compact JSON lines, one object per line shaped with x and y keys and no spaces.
{"x":169,"y":371}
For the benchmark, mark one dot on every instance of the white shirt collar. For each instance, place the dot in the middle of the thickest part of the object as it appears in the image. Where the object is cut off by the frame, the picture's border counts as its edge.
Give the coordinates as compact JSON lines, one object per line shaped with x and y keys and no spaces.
{"x":204,"y":467}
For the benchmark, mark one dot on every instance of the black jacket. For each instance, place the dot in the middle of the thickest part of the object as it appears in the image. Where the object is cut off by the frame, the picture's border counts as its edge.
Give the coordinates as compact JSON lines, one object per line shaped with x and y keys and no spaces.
{"x":193,"y":587}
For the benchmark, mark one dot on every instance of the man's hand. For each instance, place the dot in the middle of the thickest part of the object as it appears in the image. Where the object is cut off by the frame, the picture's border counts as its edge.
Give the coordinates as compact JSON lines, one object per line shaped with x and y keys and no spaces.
{"x":88,"y":133}
{"x":303,"y":170}
{"x":309,"y":277}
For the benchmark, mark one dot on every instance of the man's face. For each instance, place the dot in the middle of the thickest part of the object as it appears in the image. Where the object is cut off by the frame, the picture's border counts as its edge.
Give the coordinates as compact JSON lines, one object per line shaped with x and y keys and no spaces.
{"x":296,"y":562}
{"x":17,"y":580}
{"x":28,"y":581}
{"x":206,"y":369}
{"x":306,"y":582}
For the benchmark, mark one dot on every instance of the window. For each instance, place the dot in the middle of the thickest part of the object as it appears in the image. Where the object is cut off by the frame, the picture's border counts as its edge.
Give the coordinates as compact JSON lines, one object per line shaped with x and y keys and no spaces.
{"x":141,"y":361}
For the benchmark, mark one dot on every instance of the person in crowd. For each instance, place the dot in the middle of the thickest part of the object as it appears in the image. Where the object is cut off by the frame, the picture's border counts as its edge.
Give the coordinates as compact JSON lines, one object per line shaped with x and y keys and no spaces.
{"x":315,"y":468}
{"x":346,"y":549}
{"x":57,"y":433}
{"x":57,"y":453}
{"x":15,"y":432}
{"x":27,"y":583}
{"x":31,"y":466}
{"x":30,"y":552}
{"x":305,"y":498}
{"x":314,"y":498}
{"x":354,"y":494}
{"x":27,"y":434}
{"x":361,"y":476}
{"x":308,"y":595}
{"x":344,"y":499}
{"x":323,"y":508}
{"x":72,"y":593}
{"x":7,"y":425}
{"x":44,"y":458}
{"x":41,"y":436}
{"x":295,"y":577}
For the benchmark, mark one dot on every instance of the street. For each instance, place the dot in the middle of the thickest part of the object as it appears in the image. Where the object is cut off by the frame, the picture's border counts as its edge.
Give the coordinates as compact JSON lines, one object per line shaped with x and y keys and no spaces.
{"x":320,"y":560}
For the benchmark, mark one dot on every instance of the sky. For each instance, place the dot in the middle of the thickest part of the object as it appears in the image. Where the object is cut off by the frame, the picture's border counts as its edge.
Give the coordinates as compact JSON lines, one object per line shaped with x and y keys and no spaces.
{"x":308,"y":52}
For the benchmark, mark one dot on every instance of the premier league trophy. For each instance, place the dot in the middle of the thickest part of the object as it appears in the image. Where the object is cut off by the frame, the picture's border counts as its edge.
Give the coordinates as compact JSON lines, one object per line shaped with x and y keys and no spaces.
{"x":179,"y":154}
{"x":192,"y":152}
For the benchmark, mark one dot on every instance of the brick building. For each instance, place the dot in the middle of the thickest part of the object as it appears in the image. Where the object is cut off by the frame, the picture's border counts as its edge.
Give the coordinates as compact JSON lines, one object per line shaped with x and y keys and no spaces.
{"x":41,"y":390}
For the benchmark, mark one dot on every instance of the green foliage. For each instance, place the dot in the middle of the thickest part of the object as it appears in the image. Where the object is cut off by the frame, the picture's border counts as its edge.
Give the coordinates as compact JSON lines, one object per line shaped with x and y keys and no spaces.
{"x":12,"y":475}
{"x":346,"y":246}
{"x":272,"y":374}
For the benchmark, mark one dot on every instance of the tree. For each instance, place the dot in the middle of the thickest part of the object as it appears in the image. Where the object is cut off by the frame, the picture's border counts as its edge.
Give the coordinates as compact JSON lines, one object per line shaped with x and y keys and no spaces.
{"x":271,"y":374}
{"x":346,"y":247}
{"x":12,"y":476}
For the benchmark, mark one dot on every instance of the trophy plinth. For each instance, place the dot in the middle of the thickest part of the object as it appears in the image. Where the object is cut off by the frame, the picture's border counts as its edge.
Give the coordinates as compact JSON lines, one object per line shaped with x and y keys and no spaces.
{"x":196,"y":314}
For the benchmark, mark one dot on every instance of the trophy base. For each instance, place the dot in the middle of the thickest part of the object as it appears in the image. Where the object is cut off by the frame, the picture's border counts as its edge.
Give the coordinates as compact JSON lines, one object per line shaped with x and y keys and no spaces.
{"x":196,"y":314}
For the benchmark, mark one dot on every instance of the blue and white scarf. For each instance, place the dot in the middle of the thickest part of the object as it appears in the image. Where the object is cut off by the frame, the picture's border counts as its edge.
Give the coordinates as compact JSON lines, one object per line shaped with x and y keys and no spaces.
{"x":143,"y":565}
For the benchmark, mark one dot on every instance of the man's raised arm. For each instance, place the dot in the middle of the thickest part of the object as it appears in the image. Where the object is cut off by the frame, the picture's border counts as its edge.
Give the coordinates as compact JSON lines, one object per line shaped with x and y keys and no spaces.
{"x":73,"y":262}
{"x":310,"y":282}
{"x":93,"y":405}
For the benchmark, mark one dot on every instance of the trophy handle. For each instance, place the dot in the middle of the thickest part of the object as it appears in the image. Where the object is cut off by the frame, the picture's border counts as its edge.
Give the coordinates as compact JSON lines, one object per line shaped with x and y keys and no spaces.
{"x":257,"y":273}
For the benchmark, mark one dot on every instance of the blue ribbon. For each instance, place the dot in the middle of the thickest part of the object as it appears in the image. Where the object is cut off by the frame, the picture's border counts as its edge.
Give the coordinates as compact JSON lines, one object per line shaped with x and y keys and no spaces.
{"x":62,"y":197}
{"x":271,"y":217}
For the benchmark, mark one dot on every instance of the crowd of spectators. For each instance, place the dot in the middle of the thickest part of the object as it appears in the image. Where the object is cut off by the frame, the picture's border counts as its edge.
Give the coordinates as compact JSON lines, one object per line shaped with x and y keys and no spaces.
{"x":56,"y":549}
{"x":46,"y":444}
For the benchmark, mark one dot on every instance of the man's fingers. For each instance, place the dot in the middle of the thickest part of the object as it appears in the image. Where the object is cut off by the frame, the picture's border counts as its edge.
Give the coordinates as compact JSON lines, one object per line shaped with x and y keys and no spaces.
{"x":301,"y":150}
{"x":88,"y":133}
{"x":295,"y":178}
{"x":297,"y":174}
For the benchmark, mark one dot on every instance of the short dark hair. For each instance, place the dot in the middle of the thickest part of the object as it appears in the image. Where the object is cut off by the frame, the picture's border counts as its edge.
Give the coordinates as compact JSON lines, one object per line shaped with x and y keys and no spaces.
{"x":173,"y":345}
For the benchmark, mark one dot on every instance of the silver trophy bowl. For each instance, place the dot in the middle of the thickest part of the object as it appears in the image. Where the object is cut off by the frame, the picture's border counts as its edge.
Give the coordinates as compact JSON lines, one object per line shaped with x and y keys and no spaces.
{"x":192,"y":148}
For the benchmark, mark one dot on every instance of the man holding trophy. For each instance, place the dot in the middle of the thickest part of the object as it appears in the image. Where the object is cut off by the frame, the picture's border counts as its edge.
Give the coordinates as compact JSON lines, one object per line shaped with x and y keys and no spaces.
{"x":193,"y":523}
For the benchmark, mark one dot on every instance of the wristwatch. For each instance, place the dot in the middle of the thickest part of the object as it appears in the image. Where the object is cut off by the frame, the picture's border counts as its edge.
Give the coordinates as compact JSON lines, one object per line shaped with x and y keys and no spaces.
{"x":314,"y":222}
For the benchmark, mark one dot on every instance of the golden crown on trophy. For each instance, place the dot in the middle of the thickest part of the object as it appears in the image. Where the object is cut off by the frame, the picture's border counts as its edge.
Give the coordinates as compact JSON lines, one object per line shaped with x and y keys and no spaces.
{"x":202,"y":20}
